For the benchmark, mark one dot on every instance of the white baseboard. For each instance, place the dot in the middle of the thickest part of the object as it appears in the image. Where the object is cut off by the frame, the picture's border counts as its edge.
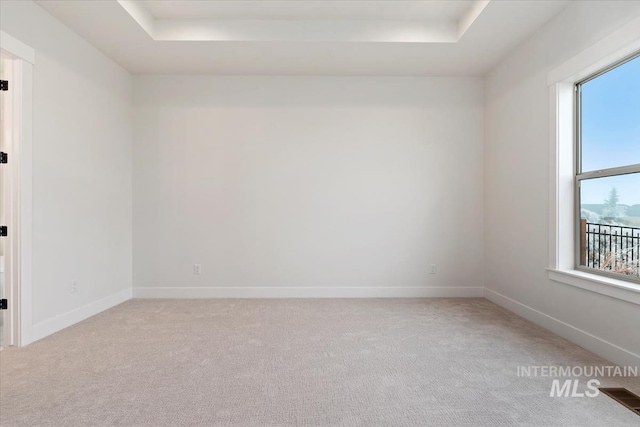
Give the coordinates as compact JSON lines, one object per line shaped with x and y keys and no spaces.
{"x":308,"y":292}
{"x":596,"y":345}
{"x":584,"y":339}
{"x":55,"y":324}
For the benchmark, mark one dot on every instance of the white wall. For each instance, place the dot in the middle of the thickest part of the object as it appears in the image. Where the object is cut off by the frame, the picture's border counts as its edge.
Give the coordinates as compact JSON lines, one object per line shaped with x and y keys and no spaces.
{"x":308,"y":182}
{"x":82,"y":137}
{"x":517,"y":186}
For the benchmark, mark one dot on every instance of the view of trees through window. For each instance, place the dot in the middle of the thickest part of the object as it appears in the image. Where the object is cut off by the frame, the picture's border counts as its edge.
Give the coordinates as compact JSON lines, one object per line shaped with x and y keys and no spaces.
{"x":608,"y":175}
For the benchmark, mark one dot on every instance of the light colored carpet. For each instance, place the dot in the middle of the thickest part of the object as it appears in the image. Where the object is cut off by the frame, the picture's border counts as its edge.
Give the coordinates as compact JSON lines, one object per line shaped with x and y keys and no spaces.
{"x":313,"y":362}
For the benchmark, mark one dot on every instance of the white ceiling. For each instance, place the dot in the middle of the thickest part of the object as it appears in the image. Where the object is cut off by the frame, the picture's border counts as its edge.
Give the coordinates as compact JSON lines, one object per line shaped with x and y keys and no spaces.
{"x":307,"y":9}
{"x":305,"y":37}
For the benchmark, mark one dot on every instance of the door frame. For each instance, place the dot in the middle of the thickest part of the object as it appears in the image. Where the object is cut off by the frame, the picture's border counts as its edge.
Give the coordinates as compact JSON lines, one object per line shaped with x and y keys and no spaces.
{"x":19,"y":291}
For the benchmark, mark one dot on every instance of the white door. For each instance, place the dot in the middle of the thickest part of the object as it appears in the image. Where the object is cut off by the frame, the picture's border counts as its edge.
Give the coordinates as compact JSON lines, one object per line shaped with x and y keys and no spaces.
{"x":5,"y":196}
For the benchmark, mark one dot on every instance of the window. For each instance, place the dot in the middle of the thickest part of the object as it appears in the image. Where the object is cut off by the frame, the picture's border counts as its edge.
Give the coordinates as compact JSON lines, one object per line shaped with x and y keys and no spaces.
{"x":607,"y":179}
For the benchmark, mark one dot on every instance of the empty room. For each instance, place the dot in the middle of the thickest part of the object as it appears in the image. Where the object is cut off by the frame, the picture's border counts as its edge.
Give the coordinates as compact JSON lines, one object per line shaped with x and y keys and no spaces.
{"x":319,"y":213}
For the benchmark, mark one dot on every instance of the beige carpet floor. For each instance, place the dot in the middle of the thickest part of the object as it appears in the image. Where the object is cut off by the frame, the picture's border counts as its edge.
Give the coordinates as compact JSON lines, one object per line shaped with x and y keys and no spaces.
{"x":305,"y":362}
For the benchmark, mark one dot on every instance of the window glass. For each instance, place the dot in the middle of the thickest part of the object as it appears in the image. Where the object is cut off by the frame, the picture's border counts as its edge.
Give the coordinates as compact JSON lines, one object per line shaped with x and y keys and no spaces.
{"x":610,"y":118}
{"x":611,"y":199}
{"x":610,"y":224}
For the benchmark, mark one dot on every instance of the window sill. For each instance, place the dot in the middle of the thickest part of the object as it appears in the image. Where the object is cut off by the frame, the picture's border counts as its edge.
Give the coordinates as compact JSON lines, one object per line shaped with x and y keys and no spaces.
{"x":614,"y":288}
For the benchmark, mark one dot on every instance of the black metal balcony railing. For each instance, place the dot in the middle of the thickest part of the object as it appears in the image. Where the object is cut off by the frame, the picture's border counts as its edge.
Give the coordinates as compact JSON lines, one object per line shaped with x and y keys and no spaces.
{"x":614,"y":248}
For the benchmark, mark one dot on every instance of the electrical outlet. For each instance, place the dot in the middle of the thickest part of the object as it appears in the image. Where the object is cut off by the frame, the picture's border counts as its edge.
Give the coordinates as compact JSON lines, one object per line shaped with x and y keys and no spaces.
{"x":434,"y":269}
{"x":197,"y":269}
{"x":74,"y":287}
